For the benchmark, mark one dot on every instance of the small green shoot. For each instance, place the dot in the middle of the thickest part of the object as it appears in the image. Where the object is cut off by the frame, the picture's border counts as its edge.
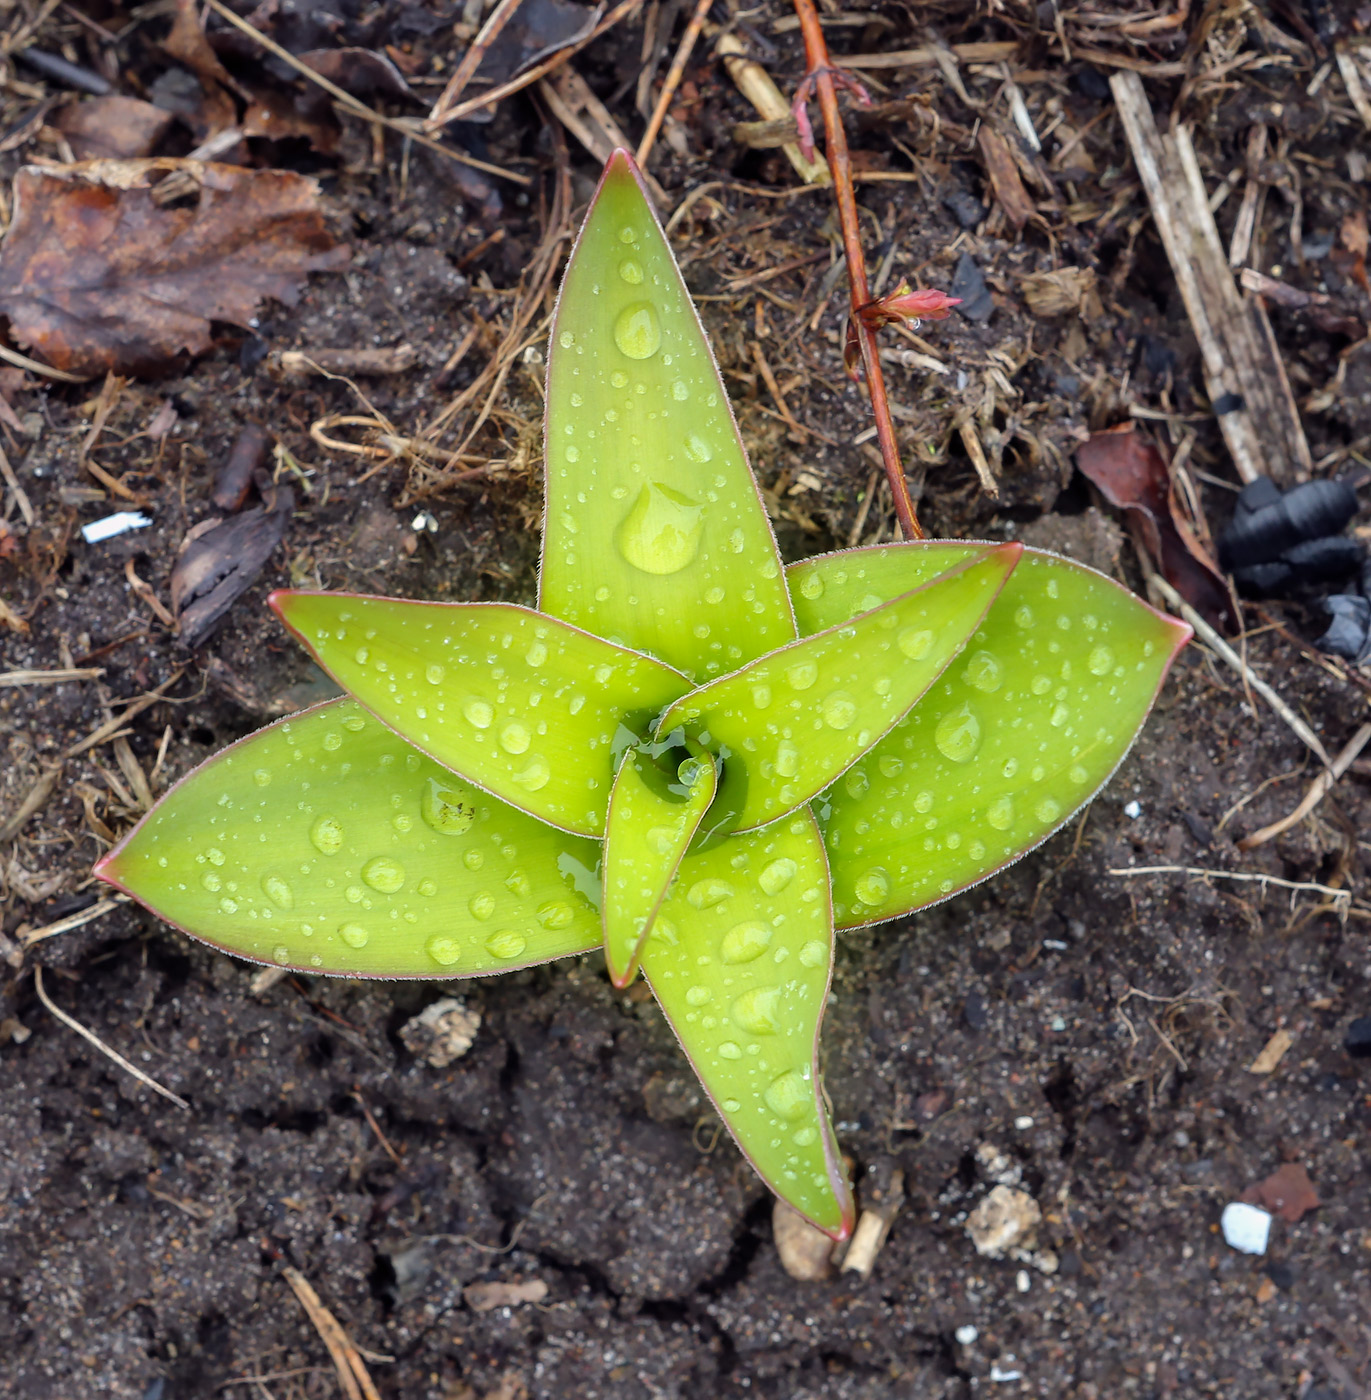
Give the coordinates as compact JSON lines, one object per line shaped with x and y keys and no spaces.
{"x":688,"y":755}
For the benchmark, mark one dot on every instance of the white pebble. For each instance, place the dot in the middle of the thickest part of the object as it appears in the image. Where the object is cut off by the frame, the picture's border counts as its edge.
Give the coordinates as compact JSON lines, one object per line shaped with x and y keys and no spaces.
{"x":966,"y":1334}
{"x":1022,"y":1282}
{"x":1132,"y":810}
{"x":1246,"y":1228}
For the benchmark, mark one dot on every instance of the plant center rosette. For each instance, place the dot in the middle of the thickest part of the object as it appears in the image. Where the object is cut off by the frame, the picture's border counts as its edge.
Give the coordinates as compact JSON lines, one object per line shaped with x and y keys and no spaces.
{"x":687,"y":754}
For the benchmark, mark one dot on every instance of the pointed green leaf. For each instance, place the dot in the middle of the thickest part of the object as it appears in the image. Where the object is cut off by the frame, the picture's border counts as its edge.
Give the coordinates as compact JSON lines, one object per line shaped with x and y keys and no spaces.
{"x":789,"y":724}
{"x":739,"y":958}
{"x":328,"y":844}
{"x":651,"y":822}
{"x":655,"y":534}
{"x":1017,"y":735}
{"x":518,"y":703}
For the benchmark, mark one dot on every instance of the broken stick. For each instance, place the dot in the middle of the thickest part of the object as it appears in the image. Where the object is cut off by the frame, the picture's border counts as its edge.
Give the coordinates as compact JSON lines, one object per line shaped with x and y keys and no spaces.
{"x":1243,"y":372}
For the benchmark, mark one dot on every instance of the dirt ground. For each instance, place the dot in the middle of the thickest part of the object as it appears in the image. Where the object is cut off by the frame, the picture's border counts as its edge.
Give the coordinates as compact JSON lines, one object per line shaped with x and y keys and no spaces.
{"x":1075,"y":1032}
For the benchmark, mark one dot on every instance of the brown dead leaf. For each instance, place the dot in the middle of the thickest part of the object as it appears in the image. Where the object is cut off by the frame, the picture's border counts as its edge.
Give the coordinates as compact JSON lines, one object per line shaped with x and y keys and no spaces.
{"x":188,"y":45}
{"x":1287,"y":1192}
{"x":1004,"y":176}
{"x":1133,"y":476}
{"x":1064,"y":290}
{"x":111,"y":128}
{"x":95,"y":275}
{"x":1354,"y":239}
{"x":486,"y":1297}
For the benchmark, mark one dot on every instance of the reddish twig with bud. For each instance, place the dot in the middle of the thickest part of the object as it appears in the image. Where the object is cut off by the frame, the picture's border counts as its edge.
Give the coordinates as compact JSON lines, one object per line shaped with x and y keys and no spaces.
{"x":867,"y":314}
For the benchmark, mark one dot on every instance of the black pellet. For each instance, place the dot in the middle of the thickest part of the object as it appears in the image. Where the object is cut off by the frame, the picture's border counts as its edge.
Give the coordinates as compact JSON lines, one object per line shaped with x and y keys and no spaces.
{"x":1228,"y":403}
{"x":1318,"y":508}
{"x":1351,"y":621}
{"x":1258,"y":579}
{"x":1357,"y":1041}
{"x":1318,"y":561}
{"x":60,"y":71}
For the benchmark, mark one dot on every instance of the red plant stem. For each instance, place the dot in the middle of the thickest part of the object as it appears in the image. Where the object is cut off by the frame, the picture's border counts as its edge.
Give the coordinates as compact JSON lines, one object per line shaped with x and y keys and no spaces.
{"x":835,"y":148}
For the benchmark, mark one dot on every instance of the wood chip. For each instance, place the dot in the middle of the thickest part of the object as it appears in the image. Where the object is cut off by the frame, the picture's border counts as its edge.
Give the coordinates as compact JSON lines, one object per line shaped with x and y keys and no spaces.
{"x":1272,"y":1053}
{"x":353,"y":1378}
{"x":486,"y":1297}
{"x":1243,"y":371}
{"x":1003,"y":172}
{"x":755,"y":84}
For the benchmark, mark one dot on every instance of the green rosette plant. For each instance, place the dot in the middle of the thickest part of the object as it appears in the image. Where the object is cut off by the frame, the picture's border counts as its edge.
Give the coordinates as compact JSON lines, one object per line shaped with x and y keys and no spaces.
{"x":689,"y":755}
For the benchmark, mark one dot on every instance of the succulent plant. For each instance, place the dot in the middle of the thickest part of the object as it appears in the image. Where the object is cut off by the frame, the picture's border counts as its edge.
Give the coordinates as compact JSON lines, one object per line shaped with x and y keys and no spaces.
{"x":688,"y":754}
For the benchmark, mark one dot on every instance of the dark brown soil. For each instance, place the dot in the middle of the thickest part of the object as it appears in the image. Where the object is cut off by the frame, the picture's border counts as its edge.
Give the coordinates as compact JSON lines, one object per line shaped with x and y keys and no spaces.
{"x":1081,"y":1033}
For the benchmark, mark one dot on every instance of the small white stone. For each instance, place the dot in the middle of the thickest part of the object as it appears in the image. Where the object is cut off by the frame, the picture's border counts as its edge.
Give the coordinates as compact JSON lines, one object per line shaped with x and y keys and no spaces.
{"x":1022,"y":1282}
{"x":1246,"y":1228}
{"x":1132,"y":810}
{"x":966,"y":1334}
{"x":1023,"y":1124}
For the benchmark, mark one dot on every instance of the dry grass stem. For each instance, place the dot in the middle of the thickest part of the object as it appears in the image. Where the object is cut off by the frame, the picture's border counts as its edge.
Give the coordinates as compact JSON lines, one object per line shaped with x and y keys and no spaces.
{"x":353,"y":1377}
{"x":72,"y":1023}
{"x":1320,"y":789}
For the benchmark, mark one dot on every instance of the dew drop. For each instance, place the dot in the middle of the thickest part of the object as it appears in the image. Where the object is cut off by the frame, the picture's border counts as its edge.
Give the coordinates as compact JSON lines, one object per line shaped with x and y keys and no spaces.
{"x":536,"y":654}
{"x":354,"y":935}
{"x":857,"y":783}
{"x":428,"y":888}
{"x":262,"y":777}
{"x":737,"y":541}
{"x":729,"y":1050}
{"x":698,"y":449}
{"x":661,"y":532}
{"x":812,"y":585}
{"x":448,"y":810}
{"x":628,"y":234}
{"x":758,"y":1011}
{"x":915,"y":642}
{"x":479,"y":713}
{"x":1100,"y":661}
{"x":705,"y":894}
{"x":838,"y":710}
{"x":631,"y":273}
{"x":789,"y":1096}
{"x":637,"y":331}
{"x":787,"y":759}
{"x":776,"y":876}
{"x":434,"y":673}
{"x":1078,"y":775}
{"x":730,"y":1105}
{"x":211,"y":882}
{"x":355,"y":723}
{"x":680,"y":391}
{"x":661,"y":840}
{"x":698,"y":996}
{"x":228,"y":905}
{"x":1000,"y":814}
{"x":619,"y":379}
{"x":801,"y":675}
{"x":327,"y":835}
{"x":481,"y":905}
{"x":806,"y":1137}
{"x":761,"y":696}
{"x":1023,"y":616}
{"x":984,"y":672}
{"x":891,"y":765}
{"x":506,"y":944}
{"x":281,"y":953}
{"x":556,"y":914}
{"x":444,"y":949}
{"x":566,"y":340}
{"x":745,"y":941}
{"x":384,"y":874}
{"x":534,"y":775}
{"x":514,"y":738}
{"x":473,"y":859}
{"x":1011,"y":767}
{"x":958,"y":734}
{"x":278,"y":891}
{"x":214,"y":855}
{"x":873,"y":887}
{"x":1047,"y":810}
{"x":1060,"y":715}
{"x":814,"y":953}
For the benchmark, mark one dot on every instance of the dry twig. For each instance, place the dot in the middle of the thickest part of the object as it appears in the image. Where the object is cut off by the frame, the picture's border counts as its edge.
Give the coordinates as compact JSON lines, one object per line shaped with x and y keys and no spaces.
{"x":1320,"y":789}
{"x":353,"y":1377}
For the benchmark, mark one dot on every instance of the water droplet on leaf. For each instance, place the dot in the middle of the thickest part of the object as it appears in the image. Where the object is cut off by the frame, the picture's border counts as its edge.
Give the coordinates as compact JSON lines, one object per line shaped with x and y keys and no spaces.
{"x":637,"y":331}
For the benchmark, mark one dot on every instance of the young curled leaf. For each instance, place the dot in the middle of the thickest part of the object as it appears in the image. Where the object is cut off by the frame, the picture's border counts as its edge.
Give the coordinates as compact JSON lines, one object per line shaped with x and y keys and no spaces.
{"x":328,"y":844}
{"x":1014,"y":738}
{"x":517,"y":702}
{"x":653,"y":817}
